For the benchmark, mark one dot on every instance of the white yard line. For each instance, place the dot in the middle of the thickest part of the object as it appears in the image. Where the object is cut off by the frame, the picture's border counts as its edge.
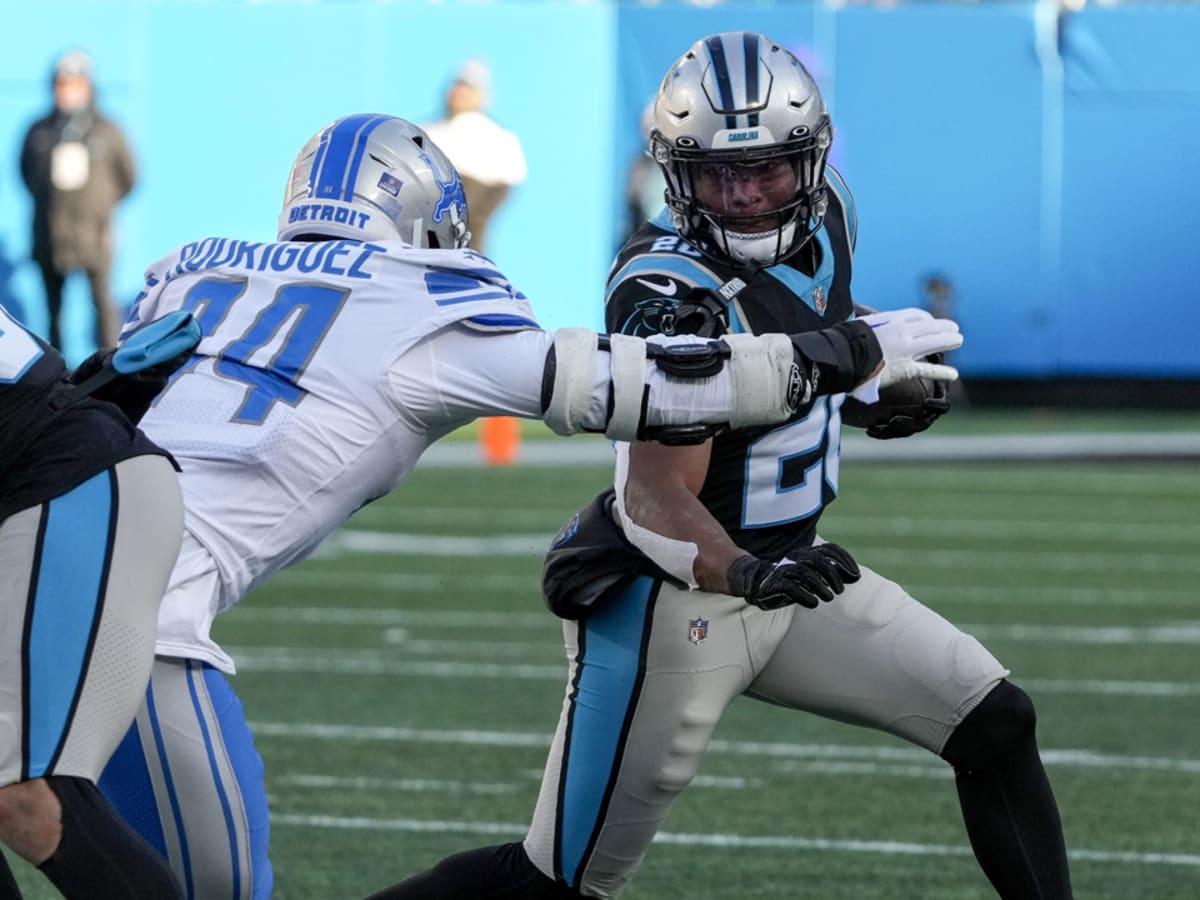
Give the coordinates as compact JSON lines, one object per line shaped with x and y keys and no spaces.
{"x":349,"y":577}
{"x":391,"y":664}
{"x":397,"y":623}
{"x":718,"y":841}
{"x":440,"y":785}
{"x":345,"y":577}
{"x":351,"y":540}
{"x":837,"y":753}
{"x":932,"y":447}
{"x":1122,"y":532}
{"x":404,"y":785}
{"x":404,"y":618}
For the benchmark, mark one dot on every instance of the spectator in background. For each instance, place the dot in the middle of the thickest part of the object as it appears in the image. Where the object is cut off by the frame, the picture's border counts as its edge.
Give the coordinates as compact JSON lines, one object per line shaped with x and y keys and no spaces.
{"x":77,"y":166}
{"x":489,"y":158}
{"x":937,"y":296}
{"x":490,"y":162}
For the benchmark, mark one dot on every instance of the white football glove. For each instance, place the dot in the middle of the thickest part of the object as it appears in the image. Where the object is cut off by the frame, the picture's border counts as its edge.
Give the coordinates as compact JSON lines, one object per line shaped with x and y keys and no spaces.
{"x":906,"y":335}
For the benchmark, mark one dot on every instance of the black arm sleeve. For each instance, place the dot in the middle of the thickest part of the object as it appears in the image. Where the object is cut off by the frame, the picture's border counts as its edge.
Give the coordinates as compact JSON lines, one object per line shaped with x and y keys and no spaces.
{"x":840,"y":358}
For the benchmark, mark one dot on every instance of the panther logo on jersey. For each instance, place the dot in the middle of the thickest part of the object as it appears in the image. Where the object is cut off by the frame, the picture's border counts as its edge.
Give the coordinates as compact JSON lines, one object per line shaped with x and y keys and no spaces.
{"x":701,"y":314}
{"x":657,"y":315}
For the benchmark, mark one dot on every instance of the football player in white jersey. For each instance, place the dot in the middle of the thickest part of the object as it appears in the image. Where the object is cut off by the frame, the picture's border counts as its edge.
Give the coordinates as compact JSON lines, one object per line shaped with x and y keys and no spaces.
{"x":331,"y":360}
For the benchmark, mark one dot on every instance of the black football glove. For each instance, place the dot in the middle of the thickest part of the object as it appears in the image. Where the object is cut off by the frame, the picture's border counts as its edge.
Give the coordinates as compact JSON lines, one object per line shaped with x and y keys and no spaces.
{"x":919,"y":417}
{"x":805,"y":576}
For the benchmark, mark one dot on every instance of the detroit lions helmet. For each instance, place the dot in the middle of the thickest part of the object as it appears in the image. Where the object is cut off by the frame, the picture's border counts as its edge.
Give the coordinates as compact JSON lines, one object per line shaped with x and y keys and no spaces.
{"x":375,"y":177}
{"x":737,"y":103}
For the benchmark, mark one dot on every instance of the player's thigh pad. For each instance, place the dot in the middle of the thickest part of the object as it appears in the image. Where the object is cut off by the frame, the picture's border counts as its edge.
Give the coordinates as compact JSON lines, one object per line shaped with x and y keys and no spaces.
{"x":83,"y":575}
{"x":650,"y":673}
{"x":188,"y":778}
{"x":874,"y":656}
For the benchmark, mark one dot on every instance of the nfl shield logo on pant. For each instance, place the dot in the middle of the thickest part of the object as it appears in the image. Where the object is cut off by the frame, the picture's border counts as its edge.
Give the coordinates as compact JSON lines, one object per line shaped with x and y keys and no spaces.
{"x":697,"y":630}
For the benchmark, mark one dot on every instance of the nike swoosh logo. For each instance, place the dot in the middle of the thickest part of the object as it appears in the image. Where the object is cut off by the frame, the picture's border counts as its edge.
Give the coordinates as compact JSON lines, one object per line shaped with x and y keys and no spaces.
{"x":667,"y":290}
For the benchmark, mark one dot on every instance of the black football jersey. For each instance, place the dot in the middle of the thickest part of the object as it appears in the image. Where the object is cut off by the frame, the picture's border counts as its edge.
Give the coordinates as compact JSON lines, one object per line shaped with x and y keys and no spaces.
{"x":766,"y":486}
{"x":46,"y":452}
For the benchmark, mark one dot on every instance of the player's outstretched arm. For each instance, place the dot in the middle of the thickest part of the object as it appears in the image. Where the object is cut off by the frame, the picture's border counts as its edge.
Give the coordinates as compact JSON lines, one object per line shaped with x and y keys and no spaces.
{"x":668,"y":389}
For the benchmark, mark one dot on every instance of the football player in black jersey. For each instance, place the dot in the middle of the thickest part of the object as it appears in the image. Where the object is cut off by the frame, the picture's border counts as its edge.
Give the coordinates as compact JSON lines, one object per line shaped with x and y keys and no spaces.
{"x":90,"y":524}
{"x":701,"y":576}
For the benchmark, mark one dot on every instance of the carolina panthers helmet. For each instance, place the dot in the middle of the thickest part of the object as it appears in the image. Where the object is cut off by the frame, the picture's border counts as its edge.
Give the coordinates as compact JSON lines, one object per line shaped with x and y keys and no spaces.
{"x":739,"y":102}
{"x":375,"y":177}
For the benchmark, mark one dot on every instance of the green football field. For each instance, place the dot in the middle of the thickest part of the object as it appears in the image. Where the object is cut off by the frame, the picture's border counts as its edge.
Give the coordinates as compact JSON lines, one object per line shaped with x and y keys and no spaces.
{"x":404,"y":683}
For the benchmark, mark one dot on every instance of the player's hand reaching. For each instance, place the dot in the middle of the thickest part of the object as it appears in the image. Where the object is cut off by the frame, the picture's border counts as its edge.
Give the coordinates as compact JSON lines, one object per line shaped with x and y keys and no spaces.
{"x":805,"y":576}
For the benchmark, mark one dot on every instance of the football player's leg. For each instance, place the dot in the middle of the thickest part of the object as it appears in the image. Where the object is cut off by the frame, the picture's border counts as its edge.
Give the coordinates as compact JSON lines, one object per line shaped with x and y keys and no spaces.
{"x":87,"y":571}
{"x":188,"y":778}
{"x":877,"y":657}
{"x":650,"y":672}
{"x":503,"y":872}
{"x":1009,"y":809}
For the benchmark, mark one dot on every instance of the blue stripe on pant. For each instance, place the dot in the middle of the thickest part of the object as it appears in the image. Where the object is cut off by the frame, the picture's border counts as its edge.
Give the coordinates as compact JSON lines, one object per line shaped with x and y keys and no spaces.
{"x":225,"y":744}
{"x":248,"y":769}
{"x":608,"y":676}
{"x":64,"y":611}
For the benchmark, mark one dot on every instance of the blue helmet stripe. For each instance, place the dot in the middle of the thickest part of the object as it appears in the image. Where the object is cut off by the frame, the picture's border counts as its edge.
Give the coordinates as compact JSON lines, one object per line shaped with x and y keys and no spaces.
{"x":750,"y":51}
{"x":318,"y":161}
{"x":333,"y":171}
{"x":359,"y":150}
{"x":716,"y":51}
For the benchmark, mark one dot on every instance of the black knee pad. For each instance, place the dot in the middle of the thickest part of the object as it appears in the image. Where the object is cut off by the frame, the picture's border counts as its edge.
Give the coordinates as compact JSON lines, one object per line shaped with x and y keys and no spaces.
{"x":1003,"y":722}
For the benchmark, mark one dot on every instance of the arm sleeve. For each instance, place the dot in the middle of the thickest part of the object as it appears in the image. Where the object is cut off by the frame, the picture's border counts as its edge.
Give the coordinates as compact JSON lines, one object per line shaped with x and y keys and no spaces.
{"x":456,"y":375}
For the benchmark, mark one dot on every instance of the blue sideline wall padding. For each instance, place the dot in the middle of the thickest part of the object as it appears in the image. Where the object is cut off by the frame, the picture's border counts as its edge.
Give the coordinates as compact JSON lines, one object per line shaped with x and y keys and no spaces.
{"x":1131,"y":192}
{"x":1049,"y":174}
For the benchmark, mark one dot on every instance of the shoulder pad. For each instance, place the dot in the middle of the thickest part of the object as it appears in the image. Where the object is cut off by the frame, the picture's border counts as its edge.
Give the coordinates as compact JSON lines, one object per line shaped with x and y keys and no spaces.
{"x":656,"y":290}
{"x":841,"y":195}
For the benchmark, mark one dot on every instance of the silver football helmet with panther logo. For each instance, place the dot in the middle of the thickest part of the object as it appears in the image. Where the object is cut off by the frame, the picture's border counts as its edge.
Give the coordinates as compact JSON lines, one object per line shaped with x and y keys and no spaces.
{"x":375,"y":177}
{"x":739,"y":113}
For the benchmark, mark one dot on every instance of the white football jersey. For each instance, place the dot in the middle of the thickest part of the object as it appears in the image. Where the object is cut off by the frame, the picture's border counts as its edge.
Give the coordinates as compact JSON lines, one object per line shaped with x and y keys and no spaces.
{"x":296,"y":409}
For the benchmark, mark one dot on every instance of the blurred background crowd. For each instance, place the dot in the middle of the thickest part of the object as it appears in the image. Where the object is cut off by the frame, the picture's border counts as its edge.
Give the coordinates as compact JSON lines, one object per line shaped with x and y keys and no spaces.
{"x":1026,"y":167}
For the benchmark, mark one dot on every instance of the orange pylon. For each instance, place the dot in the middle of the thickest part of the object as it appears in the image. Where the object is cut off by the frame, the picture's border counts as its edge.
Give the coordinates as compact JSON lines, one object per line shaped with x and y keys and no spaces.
{"x":500,"y":439}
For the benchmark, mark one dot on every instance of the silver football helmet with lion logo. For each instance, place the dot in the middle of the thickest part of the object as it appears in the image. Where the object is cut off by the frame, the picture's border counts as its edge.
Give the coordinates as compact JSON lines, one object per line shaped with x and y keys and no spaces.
{"x":375,"y":177}
{"x":739,"y":109}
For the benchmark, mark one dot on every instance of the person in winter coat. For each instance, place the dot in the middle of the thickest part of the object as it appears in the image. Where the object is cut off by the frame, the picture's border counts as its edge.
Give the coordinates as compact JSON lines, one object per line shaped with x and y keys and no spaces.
{"x":77,"y":166}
